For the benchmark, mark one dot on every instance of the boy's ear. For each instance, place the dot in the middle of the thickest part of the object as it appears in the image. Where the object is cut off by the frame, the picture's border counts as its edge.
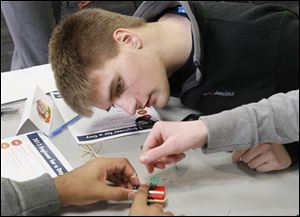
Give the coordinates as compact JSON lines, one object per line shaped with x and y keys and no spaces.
{"x":128,"y":38}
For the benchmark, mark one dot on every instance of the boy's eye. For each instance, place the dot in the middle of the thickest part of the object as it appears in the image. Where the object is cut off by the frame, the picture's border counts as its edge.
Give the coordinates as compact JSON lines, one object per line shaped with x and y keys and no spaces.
{"x":119,"y":87}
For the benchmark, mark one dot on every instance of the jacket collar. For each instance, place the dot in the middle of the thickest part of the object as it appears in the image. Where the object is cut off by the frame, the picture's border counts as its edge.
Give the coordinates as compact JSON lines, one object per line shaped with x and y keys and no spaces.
{"x":150,"y":9}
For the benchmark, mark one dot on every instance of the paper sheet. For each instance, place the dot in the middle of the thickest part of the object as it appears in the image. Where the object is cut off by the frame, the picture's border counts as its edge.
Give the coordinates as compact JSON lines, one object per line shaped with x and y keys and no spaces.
{"x":102,"y":125}
{"x":30,"y":155}
{"x":19,"y":84}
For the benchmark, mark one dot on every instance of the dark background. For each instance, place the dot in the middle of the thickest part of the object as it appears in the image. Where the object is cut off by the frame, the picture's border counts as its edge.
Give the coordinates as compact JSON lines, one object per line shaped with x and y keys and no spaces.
{"x":124,"y":7}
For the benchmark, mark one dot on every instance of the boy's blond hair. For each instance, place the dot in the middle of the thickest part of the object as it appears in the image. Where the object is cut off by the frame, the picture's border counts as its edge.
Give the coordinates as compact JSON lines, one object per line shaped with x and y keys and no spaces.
{"x":84,"y":41}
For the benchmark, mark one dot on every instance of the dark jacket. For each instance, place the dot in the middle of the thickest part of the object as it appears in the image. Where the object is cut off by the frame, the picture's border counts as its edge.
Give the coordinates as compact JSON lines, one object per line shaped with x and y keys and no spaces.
{"x":242,"y":53}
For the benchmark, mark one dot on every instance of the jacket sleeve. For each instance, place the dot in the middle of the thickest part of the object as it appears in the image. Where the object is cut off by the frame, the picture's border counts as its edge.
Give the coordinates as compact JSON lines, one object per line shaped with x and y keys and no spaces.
{"x":34,"y":197}
{"x":272,"y":120}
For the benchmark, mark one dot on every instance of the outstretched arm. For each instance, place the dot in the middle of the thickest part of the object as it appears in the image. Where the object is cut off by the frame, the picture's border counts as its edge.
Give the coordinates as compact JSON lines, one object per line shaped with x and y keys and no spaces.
{"x":272,"y":120}
{"x":84,"y":185}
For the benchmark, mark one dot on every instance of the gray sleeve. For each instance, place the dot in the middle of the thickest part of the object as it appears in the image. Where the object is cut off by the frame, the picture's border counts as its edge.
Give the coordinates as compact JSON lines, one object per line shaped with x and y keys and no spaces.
{"x":272,"y":120}
{"x":34,"y":197}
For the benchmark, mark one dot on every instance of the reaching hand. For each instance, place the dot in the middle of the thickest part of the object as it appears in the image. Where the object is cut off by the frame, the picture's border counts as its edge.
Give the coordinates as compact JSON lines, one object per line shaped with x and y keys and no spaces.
{"x":168,"y":140}
{"x":139,"y":206}
{"x":88,"y":183}
{"x":264,"y":157}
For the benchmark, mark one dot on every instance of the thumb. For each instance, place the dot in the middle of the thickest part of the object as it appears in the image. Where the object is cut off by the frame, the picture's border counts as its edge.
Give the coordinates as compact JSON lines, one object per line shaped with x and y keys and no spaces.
{"x":116,"y":193}
{"x":156,"y":153}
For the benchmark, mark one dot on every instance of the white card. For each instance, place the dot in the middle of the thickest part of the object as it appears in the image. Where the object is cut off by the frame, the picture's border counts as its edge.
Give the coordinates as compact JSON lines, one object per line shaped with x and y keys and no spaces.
{"x":102,"y":125}
{"x":28,"y":156}
{"x":37,"y":114}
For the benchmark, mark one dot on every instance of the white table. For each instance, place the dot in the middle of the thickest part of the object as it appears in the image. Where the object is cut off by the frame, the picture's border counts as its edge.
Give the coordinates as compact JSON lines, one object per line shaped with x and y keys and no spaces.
{"x":203,"y":184}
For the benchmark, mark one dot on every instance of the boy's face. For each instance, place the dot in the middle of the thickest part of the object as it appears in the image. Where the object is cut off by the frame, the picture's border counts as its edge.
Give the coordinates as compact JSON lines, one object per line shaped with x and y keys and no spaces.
{"x":132,"y":80}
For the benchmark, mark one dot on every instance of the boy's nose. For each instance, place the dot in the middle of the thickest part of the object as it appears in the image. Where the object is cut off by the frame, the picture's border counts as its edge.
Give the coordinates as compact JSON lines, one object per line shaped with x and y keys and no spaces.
{"x":128,"y":105}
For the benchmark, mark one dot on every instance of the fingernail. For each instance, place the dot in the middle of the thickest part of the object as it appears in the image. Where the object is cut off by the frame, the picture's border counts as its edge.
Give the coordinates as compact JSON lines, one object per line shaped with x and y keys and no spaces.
{"x":131,"y":195}
{"x":144,"y":158}
{"x":134,"y":176}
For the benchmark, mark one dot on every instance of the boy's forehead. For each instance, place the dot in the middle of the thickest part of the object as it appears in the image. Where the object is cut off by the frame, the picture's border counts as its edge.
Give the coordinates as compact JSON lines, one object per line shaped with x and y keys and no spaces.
{"x":102,"y":82}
